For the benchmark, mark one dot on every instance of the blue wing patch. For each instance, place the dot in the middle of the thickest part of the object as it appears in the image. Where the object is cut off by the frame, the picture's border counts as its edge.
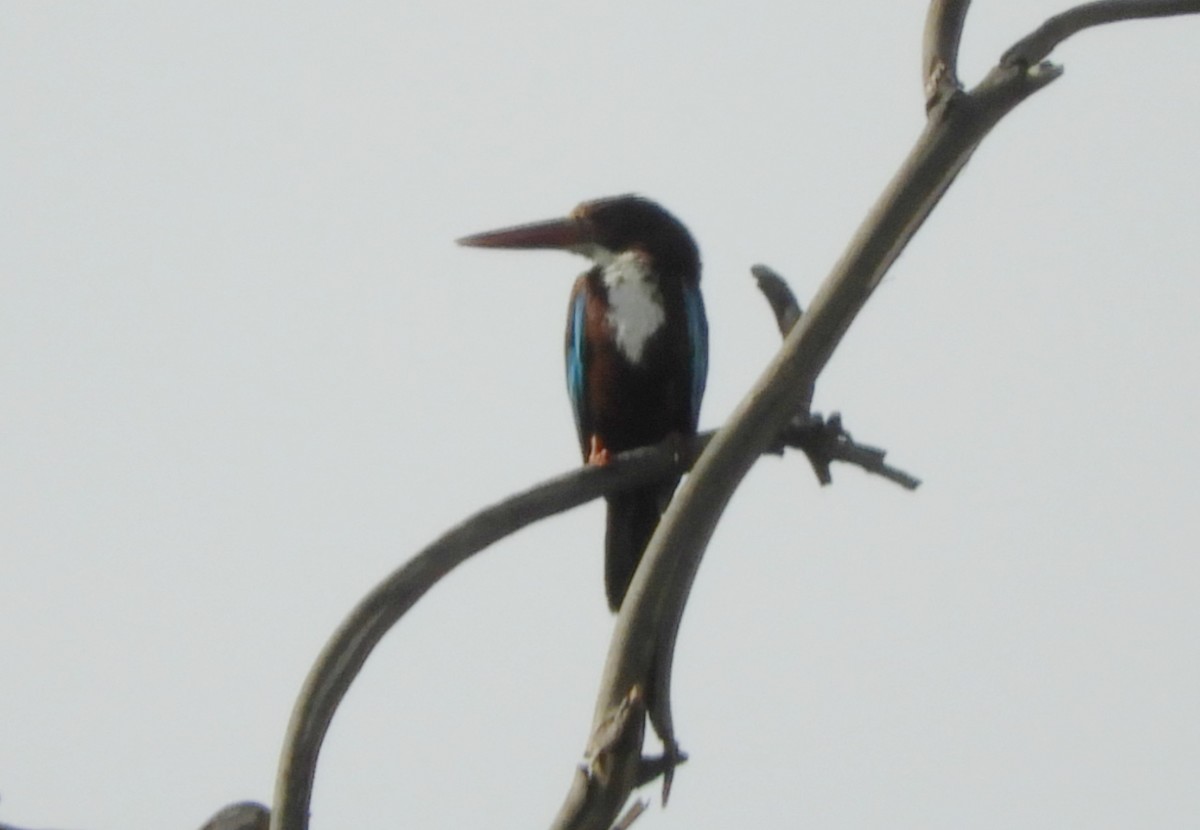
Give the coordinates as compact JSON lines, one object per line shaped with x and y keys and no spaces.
{"x":697,"y":324}
{"x":577,"y":356}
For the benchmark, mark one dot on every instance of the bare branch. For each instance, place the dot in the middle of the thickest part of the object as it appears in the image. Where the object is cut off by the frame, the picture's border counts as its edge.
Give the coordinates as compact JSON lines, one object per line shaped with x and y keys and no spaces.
{"x":787,"y":312}
{"x":825,"y":440}
{"x":780,"y":297}
{"x":643,"y":642}
{"x":1039,"y":44}
{"x":939,"y":59}
{"x":350,"y":646}
{"x":822,"y":441}
{"x":644,"y":638}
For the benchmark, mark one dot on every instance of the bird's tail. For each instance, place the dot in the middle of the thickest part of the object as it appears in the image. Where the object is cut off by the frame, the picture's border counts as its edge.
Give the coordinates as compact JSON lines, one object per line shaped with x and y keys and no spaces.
{"x":632,"y":518}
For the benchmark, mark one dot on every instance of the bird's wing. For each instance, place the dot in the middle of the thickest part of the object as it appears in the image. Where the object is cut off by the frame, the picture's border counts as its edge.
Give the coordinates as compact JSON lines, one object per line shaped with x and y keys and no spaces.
{"x":577,"y":358}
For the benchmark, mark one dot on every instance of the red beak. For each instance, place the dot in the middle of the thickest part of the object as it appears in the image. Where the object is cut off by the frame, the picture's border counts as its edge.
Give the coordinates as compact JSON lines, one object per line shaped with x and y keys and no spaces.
{"x":556,"y":233}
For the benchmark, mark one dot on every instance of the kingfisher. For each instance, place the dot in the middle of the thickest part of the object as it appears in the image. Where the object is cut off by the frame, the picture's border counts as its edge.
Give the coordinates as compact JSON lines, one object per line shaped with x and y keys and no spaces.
{"x":636,"y":348}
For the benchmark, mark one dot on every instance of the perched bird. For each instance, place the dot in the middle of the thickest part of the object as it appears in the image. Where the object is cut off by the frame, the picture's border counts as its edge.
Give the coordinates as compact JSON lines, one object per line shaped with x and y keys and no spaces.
{"x":637,"y":348}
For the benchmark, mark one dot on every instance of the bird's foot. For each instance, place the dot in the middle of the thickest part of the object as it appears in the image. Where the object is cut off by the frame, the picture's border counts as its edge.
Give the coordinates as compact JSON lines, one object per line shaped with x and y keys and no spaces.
{"x":598,"y":454}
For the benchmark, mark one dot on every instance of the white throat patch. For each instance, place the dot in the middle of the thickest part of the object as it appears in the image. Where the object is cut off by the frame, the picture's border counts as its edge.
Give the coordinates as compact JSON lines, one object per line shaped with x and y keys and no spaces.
{"x":635,"y":310}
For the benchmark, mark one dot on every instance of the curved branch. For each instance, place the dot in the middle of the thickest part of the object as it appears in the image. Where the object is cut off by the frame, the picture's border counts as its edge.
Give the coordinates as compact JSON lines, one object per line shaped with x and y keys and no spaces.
{"x":644,"y":639}
{"x":349,"y":647}
{"x":1040,"y":43}
{"x":787,"y":311}
{"x":783,"y":302}
{"x":647,"y":627}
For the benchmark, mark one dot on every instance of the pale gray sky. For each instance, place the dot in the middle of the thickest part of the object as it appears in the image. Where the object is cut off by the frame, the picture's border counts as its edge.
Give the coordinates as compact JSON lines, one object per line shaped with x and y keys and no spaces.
{"x":246,"y":372}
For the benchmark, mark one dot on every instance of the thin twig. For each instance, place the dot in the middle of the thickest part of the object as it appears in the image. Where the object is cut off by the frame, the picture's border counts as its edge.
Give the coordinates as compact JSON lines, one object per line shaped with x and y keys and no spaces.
{"x":787,"y":311}
{"x":779,"y":296}
{"x":824,"y":440}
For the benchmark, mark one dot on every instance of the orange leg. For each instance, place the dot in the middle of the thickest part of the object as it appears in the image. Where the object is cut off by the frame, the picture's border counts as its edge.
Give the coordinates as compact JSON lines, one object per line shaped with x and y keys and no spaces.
{"x":598,"y":454}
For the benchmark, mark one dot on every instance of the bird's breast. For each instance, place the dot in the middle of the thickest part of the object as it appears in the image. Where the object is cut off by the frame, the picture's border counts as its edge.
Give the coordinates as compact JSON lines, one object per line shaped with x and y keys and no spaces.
{"x":635,"y":304}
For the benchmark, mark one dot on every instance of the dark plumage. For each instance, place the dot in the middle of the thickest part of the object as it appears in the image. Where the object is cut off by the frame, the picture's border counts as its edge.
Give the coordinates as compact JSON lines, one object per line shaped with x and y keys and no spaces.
{"x":636,"y":348}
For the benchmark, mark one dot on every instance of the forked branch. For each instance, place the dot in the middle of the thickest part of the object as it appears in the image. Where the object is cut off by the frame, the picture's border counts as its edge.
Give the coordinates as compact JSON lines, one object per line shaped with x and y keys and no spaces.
{"x":643,"y":641}
{"x":343,"y":657}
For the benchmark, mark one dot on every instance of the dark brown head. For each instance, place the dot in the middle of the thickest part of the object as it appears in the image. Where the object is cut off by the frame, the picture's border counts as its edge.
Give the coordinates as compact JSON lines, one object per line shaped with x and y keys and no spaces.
{"x":604,"y":228}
